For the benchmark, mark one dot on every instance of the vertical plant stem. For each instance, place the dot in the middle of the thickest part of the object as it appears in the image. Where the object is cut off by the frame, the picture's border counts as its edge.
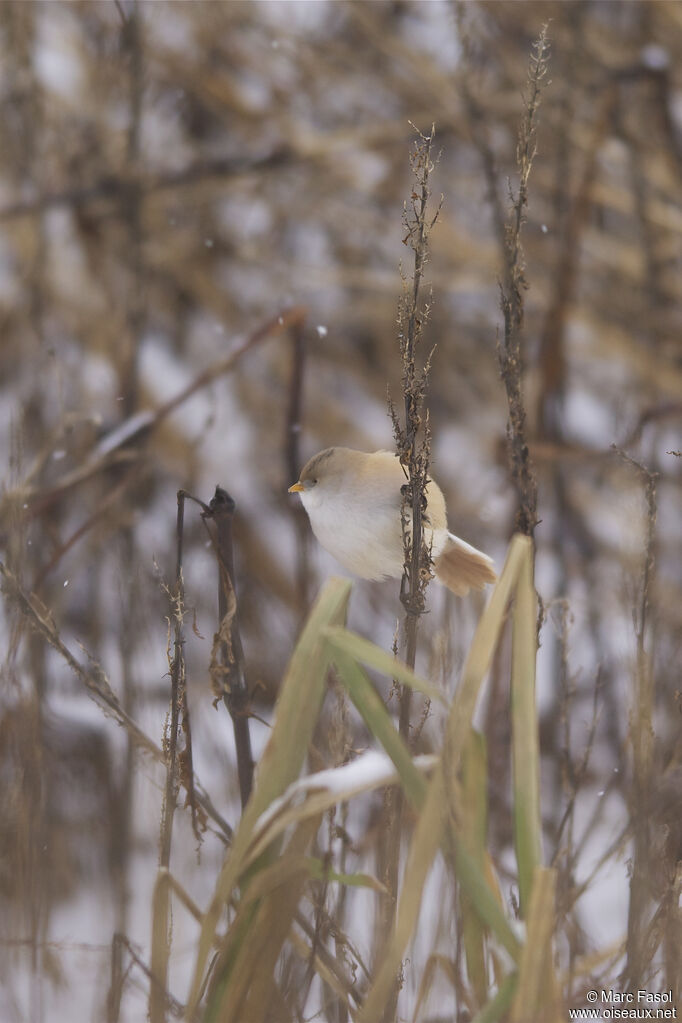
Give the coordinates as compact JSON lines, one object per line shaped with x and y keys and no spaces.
{"x":25,"y":164}
{"x":413,"y":440}
{"x":177,"y":682}
{"x":525,"y":734}
{"x":228,"y":666}
{"x":413,"y":443}
{"x":511,"y":300}
{"x":161,"y":937}
{"x":642,"y":740}
{"x":292,"y":458}
{"x":131,"y":39}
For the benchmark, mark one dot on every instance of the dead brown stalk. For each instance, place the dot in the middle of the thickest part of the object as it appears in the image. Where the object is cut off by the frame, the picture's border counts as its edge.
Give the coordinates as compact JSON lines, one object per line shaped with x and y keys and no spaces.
{"x":514,"y":284}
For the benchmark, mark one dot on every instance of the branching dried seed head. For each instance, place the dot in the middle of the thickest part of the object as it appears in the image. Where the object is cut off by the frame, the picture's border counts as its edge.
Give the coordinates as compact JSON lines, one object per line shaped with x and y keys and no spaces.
{"x":509,"y":350}
{"x":412,"y":436}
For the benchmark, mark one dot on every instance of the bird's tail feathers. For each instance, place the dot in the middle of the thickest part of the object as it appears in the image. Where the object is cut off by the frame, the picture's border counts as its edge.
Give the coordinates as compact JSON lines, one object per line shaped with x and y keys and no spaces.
{"x":461,"y":567}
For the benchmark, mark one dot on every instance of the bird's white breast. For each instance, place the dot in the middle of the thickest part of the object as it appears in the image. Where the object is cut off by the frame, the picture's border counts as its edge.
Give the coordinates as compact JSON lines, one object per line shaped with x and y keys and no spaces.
{"x":371,"y":549}
{"x":369,"y":546}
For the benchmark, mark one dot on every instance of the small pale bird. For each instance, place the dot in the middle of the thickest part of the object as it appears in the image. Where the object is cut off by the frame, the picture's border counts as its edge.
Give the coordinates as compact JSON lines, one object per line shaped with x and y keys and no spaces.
{"x":353,"y":502}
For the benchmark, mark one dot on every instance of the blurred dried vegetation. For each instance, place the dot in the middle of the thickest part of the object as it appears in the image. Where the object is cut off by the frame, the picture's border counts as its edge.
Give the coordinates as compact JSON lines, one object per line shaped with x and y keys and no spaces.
{"x":200,"y":229}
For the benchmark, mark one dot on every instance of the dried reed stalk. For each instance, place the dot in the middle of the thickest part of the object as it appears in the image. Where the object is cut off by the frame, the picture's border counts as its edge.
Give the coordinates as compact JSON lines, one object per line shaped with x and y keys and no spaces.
{"x":514,"y":283}
{"x":413,"y":444}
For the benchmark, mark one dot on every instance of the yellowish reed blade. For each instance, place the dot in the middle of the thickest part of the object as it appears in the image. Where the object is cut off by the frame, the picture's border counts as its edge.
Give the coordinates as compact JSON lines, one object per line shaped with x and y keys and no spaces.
{"x":473,"y":833}
{"x":427,"y":838}
{"x":296,"y":712}
{"x":525,"y":737}
{"x":536,"y":999}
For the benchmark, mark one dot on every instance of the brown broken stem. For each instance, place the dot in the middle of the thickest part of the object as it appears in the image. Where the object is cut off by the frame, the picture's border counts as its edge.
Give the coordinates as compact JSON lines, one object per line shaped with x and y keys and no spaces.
{"x":227,"y":659}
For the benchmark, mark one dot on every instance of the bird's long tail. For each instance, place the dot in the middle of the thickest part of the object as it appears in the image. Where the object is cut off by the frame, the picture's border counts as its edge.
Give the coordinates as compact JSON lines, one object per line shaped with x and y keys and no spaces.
{"x":461,"y":567}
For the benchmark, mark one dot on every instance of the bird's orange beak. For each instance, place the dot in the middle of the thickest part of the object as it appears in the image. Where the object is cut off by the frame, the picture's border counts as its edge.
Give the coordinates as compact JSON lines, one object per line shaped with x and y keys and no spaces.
{"x":296,"y":488}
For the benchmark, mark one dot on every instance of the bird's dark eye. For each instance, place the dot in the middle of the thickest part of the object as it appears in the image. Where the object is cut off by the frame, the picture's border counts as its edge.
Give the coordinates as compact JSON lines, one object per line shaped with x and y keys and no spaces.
{"x":313,"y":482}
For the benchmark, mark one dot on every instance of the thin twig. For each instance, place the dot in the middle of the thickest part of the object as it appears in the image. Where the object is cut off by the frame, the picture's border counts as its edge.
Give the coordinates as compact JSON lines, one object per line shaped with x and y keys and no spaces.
{"x":552,"y":351}
{"x":477,"y":122}
{"x":175,"y":1007}
{"x":116,"y":446}
{"x":109,"y":499}
{"x":97,"y":684}
{"x":161,"y":923}
{"x":177,"y":676}
{"x":115,"y":188}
